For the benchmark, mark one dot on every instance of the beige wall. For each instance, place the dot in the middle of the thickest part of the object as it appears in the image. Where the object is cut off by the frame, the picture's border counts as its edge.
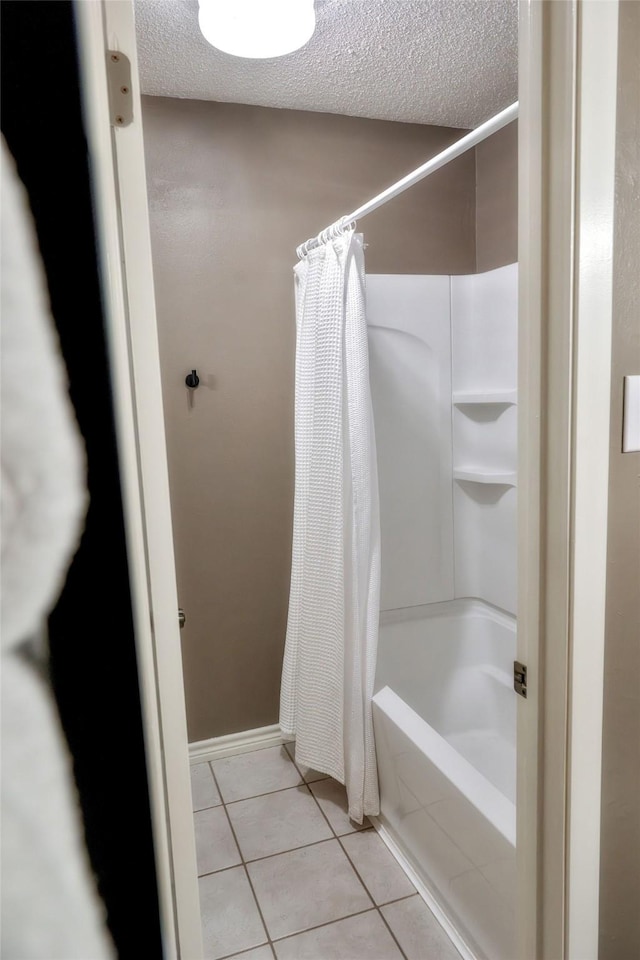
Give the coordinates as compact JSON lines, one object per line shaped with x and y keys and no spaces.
{"x":232,"y":190}
{"x":620,"y":841}
{"x":497,"y":199}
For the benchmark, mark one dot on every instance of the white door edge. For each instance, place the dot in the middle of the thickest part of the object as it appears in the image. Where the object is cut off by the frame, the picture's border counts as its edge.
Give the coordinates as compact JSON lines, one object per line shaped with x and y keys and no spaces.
{"x":119,"y":184}
{"x":595,"y":175}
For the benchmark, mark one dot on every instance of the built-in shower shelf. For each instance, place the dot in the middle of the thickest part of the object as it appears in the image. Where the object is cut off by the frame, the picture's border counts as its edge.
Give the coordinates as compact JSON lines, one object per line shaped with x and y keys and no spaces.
{"x":506,"y":397}
{"x":472,"y":475}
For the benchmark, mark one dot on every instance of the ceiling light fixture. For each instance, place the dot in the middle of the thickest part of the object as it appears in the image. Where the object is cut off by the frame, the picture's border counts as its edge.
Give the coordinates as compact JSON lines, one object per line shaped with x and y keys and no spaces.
{"x":257,"y":29}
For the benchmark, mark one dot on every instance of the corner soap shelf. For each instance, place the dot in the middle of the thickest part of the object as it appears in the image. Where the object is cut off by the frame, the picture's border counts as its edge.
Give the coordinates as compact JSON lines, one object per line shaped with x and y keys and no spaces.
{"x":505,"y":397}
{"x":473,"y":475}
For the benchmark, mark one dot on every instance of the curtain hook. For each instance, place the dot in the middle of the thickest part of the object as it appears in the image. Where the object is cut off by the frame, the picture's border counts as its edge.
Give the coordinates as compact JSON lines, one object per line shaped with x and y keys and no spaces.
{"x":337,"y":229}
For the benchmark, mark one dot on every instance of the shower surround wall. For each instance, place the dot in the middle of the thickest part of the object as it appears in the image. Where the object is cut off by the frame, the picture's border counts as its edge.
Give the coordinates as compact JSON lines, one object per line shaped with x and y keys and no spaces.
{"x":232,"y":190}
{"x":443,"y":380}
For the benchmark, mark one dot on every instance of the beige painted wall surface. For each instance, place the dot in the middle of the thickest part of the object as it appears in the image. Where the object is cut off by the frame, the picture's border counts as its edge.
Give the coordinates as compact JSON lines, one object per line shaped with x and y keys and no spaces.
{"x":232,"y":191}
{"x":620,"y":839}
{"x":497,"y":199}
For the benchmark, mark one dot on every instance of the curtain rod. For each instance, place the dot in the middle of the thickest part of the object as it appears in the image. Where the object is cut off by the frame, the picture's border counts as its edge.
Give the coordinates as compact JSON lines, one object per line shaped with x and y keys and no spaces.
{"x":450,"y":153}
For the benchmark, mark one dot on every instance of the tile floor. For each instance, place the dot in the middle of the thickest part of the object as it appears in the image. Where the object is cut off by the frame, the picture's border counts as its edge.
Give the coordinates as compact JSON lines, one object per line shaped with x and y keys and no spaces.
{"x":285,"y":874}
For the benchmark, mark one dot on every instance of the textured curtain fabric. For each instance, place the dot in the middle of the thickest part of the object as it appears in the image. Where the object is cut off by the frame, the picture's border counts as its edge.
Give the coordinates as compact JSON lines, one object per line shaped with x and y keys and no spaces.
{"x":332,"y":631}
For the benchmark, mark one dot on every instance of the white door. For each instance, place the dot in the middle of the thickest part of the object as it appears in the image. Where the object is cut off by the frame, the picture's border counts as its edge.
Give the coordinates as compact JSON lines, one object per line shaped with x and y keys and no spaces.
{"x":567,"y":138}
{"x":117,"y":157}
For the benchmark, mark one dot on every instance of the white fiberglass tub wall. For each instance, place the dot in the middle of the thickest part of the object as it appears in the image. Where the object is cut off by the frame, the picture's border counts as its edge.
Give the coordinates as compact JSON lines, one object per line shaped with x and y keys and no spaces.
{"x":484,"y":344}
{"x":410,"y":372}
{"x":444,"y":708}
{"x":452,"y":664}
{"x":443,"y":364}
{"x":445,"y":739}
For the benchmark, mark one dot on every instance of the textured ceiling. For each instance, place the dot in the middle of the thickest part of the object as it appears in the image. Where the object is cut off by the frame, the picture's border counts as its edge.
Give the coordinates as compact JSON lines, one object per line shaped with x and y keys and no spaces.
{"x":448,"y":62}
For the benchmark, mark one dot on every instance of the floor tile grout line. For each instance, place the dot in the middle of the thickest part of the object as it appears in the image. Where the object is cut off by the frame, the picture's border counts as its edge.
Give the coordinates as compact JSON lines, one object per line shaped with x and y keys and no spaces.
{"x":316,"y":843}
{"x":212,"y":873}
{"x":246,"y":872}
{"x":337,"y":835}
{"x":339,"y":838}
{"x":211,"y":805}
{"x":422,"y":900}
{"x":231,"y":866}
{"x":376,"y":906}
{"x":334,"y":835}
{"x":295,"y":786}
{"x":323,"y":776}
{"x":373,"y":906}
{"x":269,"y":793}
{"x":357,"y":873}
{"x":257,"y":902}
{"x":348,"y":856}
{"x":364,"y":886}
{"x":349,"y":916}
{"x":327,"y":923}
{"x":389,"y":903}
{"x":214,"y":806}
{"x":388,"y":926}
{"x":242,"y":953}
{"x":331,"y":826}
{"x":244,"y":860}
{"x":281,"y":853}
{"x":255,"y":795}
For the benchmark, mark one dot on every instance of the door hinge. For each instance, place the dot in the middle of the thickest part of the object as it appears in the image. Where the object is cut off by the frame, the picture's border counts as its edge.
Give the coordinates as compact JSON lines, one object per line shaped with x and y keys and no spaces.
{"x":119,"y":81}
{"x":520,"y":678}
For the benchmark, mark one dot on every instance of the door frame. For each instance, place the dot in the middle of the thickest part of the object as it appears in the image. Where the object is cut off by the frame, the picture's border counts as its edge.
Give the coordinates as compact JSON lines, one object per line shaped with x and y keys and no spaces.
{"x":120,"y":197}
{"x":568,"y":86}
{"x":568,"y":61}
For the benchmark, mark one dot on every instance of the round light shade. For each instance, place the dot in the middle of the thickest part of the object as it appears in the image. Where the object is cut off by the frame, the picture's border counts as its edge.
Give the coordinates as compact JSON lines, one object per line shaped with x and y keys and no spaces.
{"x":257,"y":29}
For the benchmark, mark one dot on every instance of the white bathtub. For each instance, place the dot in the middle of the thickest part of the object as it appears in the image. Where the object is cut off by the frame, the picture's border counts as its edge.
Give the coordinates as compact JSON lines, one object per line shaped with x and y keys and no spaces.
{"x":445,"y":724}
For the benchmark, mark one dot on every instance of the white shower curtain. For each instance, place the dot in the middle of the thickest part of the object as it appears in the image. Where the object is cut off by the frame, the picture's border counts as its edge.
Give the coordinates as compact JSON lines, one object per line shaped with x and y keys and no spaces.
{"x":332,"y":631}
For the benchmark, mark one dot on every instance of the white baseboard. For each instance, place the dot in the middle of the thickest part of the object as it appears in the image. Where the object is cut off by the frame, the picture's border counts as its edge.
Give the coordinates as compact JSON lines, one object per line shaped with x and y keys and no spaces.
{"x":233,"y":743}
{"x":388,"y":839}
